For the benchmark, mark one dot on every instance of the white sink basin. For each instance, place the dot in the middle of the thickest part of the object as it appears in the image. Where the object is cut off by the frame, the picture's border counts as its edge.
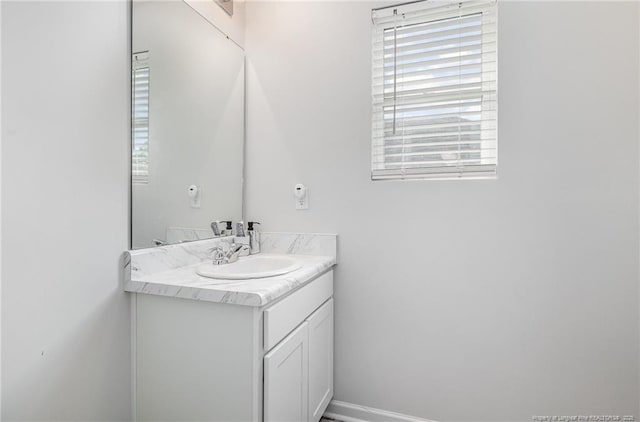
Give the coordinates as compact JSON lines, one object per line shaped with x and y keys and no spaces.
{"x":250,"y":267}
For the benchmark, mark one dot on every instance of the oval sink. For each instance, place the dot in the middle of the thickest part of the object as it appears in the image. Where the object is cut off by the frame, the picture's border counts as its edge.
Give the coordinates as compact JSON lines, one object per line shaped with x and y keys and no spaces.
{"x":250,"y":267}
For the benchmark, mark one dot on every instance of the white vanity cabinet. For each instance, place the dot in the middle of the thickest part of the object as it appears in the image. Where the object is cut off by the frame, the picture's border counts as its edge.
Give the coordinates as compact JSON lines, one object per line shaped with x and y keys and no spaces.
{"x":298,"y":372}
{"x":197,"y":360}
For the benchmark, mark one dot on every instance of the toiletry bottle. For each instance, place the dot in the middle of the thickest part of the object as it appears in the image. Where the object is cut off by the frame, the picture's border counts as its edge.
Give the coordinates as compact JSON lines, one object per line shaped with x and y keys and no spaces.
{"x":228,"y":231}
{"x":240,"y":229}
{"x":254,"y":237}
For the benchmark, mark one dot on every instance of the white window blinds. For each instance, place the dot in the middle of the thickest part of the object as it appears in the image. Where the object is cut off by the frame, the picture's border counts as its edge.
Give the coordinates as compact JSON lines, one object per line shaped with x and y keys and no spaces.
{"x":434,"y":90}
{"x":140,"y":118}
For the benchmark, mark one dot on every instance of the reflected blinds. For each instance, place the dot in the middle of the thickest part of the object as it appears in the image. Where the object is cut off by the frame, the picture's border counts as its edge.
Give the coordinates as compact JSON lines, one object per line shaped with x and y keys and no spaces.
{"x":140,"y":118}
{"x":434,"y":90}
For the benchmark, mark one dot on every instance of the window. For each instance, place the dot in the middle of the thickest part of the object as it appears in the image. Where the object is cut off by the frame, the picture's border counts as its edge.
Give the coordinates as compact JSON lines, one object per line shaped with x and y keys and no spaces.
{"x":140,"y":118}
{"x":434,"y":91}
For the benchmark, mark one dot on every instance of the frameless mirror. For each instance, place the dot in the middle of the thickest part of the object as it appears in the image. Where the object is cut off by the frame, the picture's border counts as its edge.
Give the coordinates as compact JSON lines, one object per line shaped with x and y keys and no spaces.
{"x":188,"y":125}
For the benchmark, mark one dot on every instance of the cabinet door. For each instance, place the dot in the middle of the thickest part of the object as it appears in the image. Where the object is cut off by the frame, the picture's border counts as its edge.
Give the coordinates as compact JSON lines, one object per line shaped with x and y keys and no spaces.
{"x":320,"y":360}
{"x":286,"y":378}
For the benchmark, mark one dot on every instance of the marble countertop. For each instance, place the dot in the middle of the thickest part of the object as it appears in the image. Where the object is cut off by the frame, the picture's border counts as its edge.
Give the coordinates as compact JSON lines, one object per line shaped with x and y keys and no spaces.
{"x":184,"y":282}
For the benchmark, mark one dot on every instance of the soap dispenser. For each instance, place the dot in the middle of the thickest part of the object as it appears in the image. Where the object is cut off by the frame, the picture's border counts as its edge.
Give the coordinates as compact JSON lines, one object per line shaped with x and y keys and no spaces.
{"x":228,"y":231}
{"x":254,"y":237}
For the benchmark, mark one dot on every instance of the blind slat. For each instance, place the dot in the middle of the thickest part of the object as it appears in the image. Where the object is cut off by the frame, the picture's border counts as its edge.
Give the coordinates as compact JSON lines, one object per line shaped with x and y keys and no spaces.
{"x":435,"y":163}
{"x":435,"y":127}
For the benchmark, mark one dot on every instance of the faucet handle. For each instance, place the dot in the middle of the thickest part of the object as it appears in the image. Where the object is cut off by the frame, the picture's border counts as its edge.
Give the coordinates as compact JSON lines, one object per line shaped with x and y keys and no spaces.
{"x":233,"y":253}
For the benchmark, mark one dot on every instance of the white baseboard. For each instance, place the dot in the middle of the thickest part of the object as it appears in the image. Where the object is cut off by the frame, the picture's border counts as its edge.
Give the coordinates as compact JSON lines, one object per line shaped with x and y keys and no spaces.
{"x":349,"y":412}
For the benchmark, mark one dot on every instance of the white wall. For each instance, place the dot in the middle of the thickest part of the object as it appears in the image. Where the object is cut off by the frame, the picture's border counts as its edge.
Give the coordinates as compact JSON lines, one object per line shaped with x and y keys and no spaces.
{"x":65,"y":114}
{"x":232,"y":26}
{"x":466,"y":300}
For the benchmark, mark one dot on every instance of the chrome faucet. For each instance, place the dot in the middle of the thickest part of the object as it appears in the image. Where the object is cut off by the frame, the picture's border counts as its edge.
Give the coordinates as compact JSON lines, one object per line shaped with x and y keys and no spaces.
{"x":221,"y":257}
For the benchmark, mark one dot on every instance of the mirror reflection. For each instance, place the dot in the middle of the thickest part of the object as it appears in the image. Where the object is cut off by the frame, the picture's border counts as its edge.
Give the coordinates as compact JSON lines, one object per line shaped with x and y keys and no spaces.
{"x":188,"y":125}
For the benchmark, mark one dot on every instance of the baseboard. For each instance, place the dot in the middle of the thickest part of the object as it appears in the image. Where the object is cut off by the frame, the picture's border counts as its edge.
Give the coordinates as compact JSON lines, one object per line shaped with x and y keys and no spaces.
{"x":349,"y":412}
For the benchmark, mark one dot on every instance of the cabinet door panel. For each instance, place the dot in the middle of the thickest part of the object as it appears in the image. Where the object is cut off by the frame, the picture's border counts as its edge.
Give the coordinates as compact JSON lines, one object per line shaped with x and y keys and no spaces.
{"x":286,"y":378}
{"x":320,"y":360}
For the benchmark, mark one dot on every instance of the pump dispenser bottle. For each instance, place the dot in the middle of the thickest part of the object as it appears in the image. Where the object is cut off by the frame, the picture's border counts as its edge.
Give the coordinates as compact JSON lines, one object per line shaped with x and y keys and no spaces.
{"x":254,"y":237}
{"x":228,"y":231}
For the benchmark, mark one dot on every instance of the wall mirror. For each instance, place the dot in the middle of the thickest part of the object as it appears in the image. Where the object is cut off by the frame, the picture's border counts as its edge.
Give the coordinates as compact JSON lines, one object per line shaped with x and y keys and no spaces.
{"x":187,"y":125}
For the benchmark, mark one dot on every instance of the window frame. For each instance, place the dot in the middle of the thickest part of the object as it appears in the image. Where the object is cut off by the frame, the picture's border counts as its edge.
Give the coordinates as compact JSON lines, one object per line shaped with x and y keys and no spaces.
{"x":484,"y":165}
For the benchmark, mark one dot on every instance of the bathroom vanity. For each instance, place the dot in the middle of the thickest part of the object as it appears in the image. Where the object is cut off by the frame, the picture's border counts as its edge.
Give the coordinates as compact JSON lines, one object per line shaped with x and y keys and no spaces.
{"x":233,"y":350}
